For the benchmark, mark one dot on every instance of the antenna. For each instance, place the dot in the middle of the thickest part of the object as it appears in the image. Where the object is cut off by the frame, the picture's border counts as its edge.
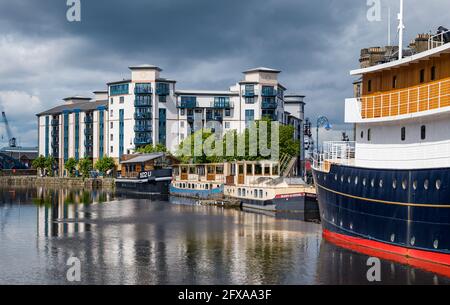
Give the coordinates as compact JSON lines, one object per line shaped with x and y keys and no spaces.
{"x":389,"y":25}
{"x":401,"y":27}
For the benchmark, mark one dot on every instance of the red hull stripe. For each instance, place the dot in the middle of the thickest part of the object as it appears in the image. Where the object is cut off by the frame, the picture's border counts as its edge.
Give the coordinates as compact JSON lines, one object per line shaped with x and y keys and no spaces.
{"x":430,"y":261}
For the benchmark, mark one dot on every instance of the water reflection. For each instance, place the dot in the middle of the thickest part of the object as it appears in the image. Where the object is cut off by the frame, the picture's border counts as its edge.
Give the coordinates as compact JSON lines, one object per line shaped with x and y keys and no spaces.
{"x":122,"y":240}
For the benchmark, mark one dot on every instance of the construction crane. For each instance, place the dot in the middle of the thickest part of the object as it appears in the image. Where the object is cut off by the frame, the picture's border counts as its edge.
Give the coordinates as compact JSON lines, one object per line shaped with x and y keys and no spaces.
{"x":12,"y":141}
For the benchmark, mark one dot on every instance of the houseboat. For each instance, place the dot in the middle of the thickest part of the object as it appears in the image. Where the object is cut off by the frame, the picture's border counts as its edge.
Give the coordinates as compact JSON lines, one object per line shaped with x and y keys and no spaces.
{"x":262,"y":185}
{"x":390,"y":190}
{"x":145,"y":173}
{"x":198,"y":181}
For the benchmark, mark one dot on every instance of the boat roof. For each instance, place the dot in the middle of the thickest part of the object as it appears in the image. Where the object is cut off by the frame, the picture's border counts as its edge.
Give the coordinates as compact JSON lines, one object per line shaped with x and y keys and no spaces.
{"x":435,"y":52}
{"x":143,"y":158}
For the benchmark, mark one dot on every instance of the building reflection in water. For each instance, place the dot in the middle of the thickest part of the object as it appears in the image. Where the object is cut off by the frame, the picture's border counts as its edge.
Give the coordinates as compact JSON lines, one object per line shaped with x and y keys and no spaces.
{"x":150,"y":240}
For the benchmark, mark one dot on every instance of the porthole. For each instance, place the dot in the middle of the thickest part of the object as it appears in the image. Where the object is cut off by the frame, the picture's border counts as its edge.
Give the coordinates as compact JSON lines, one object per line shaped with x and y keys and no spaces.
{"x":381,"y":183}
{"x":413,"y":241}
{"x":394,"y":184}
{"x":392,"y":238}
{"x":415,"y":184}
{"x":405,"y":184}
{"x":364,"y":181}
{"x":356,"y":180}
{"x":436,"y":244}
{"x":426,"y":184}
{"x":438,"y":184}
{"x":372,"y":182}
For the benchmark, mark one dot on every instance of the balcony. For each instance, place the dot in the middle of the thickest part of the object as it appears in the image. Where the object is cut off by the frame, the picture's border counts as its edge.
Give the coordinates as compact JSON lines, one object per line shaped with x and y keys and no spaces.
{"x":397,"y":104}
{"x":190,"y":104}
{"x":162,"y":89}
{"x":222,"y":104}
{"x":88,"y":120}
{"x":142,"y":141}
{"x":143,"y":102}
{"x":143,"y":116}
{"x":142,"y":128}
{"x":55,"y":122}
{"x":269,"y":104}
{"x":249,"y":93}
{"x":143,"y":89}
{"x":269,"y":91}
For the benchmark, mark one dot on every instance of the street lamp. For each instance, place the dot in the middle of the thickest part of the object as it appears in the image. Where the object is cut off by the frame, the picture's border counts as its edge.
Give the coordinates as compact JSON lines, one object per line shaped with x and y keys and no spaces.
{"x":322,"y":121}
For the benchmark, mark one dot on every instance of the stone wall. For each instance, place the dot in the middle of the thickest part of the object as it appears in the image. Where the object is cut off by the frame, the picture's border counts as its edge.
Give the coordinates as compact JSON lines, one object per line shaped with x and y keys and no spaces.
{"x":106,"y":183}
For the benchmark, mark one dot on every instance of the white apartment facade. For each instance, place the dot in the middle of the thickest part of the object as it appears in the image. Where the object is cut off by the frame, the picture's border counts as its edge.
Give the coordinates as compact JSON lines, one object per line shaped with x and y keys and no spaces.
{"x":148,"y":109}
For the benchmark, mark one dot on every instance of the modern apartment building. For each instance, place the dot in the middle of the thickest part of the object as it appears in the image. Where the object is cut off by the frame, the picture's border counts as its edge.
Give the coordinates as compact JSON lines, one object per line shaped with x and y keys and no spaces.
{"x":148,"y":109}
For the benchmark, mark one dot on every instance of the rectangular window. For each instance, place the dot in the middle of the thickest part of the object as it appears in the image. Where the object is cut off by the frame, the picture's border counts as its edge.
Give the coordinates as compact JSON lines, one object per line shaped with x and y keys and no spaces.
{"x":394,"y":82}
{"x":227,"y":112}
{"x":249,"y":116}
{"x":112,"y":101}
{"x":112,"y":149}
{"x":163,"y":98}
{"x":118,"y":89}
{"x":369,"y":85}
{"x":422,"y":75}
{"x":369,"y":136}
{"x":423,"y":132}
{"x":182,"y":124}
{"x":227,"y":125}
{"x":250,"y":100}
{"x":122,"y":100}
{"x":112,"y":113}
{"x":433,"y":73}
{"x":182,"y":111}
{"x":403,"y":135}
{"x":112,"y":137}
{"x":112,"y":125}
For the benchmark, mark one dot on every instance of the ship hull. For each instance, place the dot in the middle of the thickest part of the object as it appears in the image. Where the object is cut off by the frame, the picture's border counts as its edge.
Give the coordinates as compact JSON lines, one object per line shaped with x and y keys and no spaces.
{"x":407,"y":213}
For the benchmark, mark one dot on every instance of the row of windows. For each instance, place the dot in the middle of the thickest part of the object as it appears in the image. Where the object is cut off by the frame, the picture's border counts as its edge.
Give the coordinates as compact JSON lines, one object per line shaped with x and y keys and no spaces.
{"x":395,"y":83}
{"x":423,"y":133}
{"x":395,"y":183}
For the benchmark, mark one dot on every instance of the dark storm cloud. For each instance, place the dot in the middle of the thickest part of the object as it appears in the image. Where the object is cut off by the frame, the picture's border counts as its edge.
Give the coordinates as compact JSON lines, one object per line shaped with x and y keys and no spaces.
{"x":201,"y":43}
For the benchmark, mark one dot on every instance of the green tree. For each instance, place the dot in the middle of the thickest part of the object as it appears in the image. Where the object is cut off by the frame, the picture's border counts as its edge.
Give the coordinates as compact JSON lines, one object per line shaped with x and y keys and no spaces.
{"x":85,"y":166}
{"x":148,"y":149}
{"x":50,"y":162}
{"x":39,"y":163}
{"x":105,"y":164}
{"x":70,"y":165}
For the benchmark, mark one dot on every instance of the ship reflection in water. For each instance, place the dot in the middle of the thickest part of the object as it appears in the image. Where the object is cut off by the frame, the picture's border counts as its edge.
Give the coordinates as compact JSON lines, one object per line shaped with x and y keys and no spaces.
{"x":123,"y":240}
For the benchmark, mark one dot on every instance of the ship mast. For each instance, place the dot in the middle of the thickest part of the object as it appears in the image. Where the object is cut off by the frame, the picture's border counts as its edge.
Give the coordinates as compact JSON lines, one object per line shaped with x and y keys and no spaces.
{"x":401,"y":27}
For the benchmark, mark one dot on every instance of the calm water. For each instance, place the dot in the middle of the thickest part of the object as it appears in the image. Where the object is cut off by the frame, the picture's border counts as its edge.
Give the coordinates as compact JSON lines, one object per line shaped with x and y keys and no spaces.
{"x":141,"y":241}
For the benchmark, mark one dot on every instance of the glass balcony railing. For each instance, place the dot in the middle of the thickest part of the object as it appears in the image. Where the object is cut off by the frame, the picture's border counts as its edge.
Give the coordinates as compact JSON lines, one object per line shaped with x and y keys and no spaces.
{"x":269,"y":91}
{"x":222,"y":104}
{"x":249,"y":93}
{"x":269,"y":104}
{"x":162,"y":89}
{"x":143,"y":102}
{"x":143,"y":116}
{"x":143,"y":89}
{"x":142,"y":128}
{"x":189,"y":104}
{"x":142,"y":141}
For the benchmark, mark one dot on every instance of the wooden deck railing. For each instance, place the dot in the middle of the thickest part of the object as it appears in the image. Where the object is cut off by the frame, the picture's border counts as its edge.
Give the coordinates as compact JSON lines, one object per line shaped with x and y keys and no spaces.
{"x":430,"y":96}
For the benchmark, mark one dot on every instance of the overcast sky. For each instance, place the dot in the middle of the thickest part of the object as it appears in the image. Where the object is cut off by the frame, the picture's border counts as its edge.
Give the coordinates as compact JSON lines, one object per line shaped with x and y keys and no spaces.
{"x":203,"y":44}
